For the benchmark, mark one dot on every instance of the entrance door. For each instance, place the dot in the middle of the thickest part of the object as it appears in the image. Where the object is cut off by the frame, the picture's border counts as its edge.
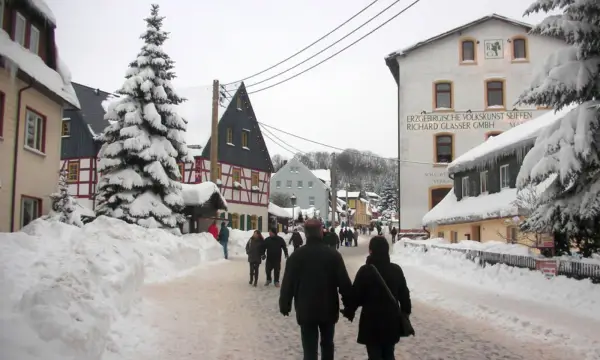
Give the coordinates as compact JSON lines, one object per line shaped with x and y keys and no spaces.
{"x":476,"y":231}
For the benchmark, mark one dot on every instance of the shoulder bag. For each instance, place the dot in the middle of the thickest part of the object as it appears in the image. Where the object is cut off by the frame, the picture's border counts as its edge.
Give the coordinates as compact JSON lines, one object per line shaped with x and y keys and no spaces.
{"x":406,"y":328}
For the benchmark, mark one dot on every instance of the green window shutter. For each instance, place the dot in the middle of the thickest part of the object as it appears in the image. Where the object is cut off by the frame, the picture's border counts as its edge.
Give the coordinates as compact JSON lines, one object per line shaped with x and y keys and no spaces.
{"x":260,"y":224}
{"x":249,"y":223}
{"x":223,"y":216}
{"x":230,"y":218}
{"x":242,"y":218}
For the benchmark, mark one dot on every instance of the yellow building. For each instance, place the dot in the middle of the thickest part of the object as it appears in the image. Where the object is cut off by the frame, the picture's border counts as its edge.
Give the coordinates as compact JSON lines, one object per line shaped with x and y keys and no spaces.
{"x":357,"y":206}
{"x":484,"y":203}
{"x":34,"y":89}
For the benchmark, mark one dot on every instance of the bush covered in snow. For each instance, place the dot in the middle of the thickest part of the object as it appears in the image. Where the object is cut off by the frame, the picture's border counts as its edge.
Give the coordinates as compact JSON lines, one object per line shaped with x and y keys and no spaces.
{"x":66,"y":290}
{"x":145,"y":141}
{"x":64,"y":206}
{"x":570,"y":148}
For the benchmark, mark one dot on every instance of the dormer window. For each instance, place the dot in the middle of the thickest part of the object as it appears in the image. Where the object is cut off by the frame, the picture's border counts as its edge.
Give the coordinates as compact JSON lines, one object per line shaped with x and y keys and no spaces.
{"x":20,"y":29}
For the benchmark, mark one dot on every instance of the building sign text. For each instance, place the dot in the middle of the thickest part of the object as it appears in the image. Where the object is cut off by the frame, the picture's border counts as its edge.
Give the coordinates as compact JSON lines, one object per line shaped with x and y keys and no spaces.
{"x":465,"y":120}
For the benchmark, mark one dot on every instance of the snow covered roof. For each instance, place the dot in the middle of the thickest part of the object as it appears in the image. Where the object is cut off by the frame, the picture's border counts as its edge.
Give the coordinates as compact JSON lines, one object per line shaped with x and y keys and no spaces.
{"x":391,"y":58}
{"x":279,"y":211}
{"x":323,"y":175}
{"x":197,"y":110}
{"x":351,"y":194}
{"x":43,"y":9}
{"x":93,"y":103}
{"x":486,"y":206}
{"x":58,"y":82}
{"x":200,"y":194}
{"x":373,"y":195}
{"x":510,"y":141}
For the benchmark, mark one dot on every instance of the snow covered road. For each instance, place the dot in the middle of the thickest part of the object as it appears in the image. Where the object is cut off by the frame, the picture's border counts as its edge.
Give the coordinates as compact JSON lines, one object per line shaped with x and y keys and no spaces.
{"x":214,"y":314}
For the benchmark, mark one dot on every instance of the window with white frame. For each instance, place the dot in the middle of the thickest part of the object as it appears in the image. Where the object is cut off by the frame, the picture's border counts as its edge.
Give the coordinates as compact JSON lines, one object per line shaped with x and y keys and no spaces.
{"x":66,"y":128}
{"x":310,"y":184}
{"x":34,"y":131}
{"x":300,"y":184}
{"x":504,"y":177}
{"x":278,"y":184}
{"x":465,"y":186}
{"x":34,"y":40}
{"x":20,"y":26}
{"x":30,"y":210}
{"x":288,"y":184}
{"x":483,"y":182}
{"x":311,"y":201}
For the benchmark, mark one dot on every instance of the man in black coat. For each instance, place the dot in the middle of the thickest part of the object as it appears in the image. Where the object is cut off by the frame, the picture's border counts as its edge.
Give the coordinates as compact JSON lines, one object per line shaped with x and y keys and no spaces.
{"x":274,"y":244}
{"x":313,"y":276}
{"x":349,"y":237}
{"x":296,"y":239}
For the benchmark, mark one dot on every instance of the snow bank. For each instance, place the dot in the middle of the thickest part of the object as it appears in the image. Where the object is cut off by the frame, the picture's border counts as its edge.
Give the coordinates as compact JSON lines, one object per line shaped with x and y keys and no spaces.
{"x":577,"y":296}
{"x":279,"y":211}
{"x":497,"y":247}
{"x":67,"y":292}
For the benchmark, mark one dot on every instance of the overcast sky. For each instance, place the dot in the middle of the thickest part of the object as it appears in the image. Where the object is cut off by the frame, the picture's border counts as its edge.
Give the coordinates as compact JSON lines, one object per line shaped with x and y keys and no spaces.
{"x":349,"y":101}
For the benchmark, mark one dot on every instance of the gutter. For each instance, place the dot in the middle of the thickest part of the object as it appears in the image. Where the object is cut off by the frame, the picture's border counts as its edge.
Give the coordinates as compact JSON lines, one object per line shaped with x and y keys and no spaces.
{"x":13,"y":202}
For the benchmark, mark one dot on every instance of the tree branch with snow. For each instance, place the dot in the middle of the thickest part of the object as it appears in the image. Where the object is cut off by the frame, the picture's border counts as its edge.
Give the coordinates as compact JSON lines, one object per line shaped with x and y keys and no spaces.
{"x":64,"y":206}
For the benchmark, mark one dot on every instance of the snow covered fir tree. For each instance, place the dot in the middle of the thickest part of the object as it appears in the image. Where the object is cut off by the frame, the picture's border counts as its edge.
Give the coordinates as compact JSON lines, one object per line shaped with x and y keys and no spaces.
{"x":564,"y":163}
{"x":389,"y":202}
{"x":145,"y":142}
{"x":64,"y":206}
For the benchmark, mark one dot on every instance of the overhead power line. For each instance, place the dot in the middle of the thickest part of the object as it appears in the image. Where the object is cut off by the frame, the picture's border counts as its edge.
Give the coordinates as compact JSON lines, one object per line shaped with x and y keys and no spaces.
{"x":328,"y":47}
{"x":340,"y":51}
{"x":347,"y":150}
{"x":279,"y":139}
{"x":307,"y":47}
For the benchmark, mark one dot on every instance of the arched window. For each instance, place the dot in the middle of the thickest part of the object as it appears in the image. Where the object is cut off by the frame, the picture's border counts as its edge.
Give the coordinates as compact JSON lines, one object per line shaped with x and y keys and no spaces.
{"x":444,"y":148}
{"x":437,"y":193}
{"x":495,"y":93}
{"x":443,"y":95}
{"x":519,"y":49}
{"x":468,"y":51}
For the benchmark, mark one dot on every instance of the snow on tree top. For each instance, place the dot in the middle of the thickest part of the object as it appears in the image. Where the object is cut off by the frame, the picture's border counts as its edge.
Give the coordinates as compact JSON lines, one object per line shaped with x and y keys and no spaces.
{"x":372,"y":194}
{"x":452,"y":211}
{"x":30,"y":63}
{"x":323,"y":175}
{"x":506,"y":143}
{"x":279,"y":211}
{"x":351,"y":194}
{"x":43,"y":9}
{"x":197,"y":110}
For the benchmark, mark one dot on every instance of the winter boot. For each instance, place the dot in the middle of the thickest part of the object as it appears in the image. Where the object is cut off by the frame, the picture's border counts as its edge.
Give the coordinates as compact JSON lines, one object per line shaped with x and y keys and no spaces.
{"x":276,"y":283}
{"x":268,"y":282}
{"x":255,"y":284}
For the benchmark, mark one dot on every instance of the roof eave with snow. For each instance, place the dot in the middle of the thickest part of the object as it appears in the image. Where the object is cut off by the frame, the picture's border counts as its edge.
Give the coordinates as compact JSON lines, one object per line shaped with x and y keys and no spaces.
{"x":392,"y":63}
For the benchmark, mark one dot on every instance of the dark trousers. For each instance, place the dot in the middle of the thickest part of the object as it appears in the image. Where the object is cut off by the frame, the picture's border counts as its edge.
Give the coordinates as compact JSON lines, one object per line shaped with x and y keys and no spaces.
{"x":310,"y":341}
{"x":381,"y":352}
{"x":273,"y":266}
{"x":254,"y":271}
{"x":355,"y":241}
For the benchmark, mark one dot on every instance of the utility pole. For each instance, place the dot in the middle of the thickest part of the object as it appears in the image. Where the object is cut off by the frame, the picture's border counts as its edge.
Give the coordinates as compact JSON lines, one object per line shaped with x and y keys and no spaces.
{"x":347,"y":206}
{"x":214,"y":136}
{"x":333,"y":191}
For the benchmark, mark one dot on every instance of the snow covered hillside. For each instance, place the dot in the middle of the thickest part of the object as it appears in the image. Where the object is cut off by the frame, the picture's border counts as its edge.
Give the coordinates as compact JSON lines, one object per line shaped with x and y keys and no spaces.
{"x":69,"y":292}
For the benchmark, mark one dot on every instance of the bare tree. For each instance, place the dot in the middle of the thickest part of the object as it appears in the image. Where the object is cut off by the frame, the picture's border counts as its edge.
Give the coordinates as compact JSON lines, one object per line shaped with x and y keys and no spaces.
{"x":278,"y":162}
{"x":526,"y":202}
{"x":281,"y":199}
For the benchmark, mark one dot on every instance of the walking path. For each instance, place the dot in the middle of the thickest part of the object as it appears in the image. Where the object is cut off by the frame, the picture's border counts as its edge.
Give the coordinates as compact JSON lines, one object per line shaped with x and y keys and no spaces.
{"x":214,"y":314}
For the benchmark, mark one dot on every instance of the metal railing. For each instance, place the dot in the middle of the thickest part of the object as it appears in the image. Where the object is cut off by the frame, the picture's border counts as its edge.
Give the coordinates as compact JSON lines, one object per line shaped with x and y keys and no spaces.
{"x":569,"y":268}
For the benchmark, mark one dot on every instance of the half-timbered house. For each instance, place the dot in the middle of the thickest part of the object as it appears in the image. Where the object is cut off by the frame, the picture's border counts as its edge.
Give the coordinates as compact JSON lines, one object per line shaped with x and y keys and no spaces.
{"x":244,"y":163}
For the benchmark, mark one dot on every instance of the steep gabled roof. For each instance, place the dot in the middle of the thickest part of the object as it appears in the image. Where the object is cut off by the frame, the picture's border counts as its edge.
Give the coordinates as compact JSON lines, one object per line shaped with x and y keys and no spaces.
{"x":296,"y":162}
{"x":392,"y":63}
{"x":92,"y":111}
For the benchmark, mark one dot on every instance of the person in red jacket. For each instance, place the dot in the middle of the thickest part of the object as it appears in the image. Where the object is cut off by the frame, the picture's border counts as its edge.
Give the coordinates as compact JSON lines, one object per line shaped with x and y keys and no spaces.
{"x":213,"y":230}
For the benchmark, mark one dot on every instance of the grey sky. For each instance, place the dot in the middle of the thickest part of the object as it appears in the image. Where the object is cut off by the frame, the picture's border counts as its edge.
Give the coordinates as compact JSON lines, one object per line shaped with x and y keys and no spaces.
{"x":350,"y":101}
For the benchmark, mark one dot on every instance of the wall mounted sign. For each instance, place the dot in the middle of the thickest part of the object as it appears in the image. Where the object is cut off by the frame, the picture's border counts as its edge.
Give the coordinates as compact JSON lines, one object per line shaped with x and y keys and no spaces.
{"x":465,"y":120}
{"x":494,"y":49}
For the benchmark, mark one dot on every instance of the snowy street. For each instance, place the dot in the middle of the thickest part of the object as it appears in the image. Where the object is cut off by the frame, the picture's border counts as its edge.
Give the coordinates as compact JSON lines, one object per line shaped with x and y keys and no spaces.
{"x":212,"y":313}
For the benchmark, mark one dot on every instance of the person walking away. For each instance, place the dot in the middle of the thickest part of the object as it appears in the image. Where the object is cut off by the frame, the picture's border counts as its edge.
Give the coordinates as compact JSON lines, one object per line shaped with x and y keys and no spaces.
{"x":342,"y":236}
{"x":312,"y":279}
{"x":296,"y":239}
{"x":380,"y":327}
{"x":255,"y":249}
{"x":223,"y":238}
{"x":330,"y":238}
{"x":274,"y":244}
{"x":335,"y":237}
{"x":356,"y":238}
{"x":394,"y":232}
{"x":213,"y":230}
{"x":349,"y":237}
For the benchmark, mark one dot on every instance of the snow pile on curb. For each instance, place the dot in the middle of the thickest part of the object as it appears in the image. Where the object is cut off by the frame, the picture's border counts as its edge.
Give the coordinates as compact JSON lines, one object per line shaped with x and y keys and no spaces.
{"x":579,"y":296}
{"x":489,"y":246}
{"x":67,"y":291}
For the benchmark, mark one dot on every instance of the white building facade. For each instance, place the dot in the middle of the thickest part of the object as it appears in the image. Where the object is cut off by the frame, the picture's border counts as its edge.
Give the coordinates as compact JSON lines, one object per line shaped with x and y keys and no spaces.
{"x":454,"y":91}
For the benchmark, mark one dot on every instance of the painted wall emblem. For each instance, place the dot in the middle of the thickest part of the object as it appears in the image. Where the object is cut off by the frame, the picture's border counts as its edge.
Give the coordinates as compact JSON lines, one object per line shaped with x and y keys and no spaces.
{"x":494,"y":49}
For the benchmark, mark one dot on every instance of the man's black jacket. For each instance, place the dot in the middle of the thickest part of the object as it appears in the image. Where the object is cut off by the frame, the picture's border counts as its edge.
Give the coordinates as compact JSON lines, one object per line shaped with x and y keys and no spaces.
{"x":273,"y":246}
{"x":313,"y":276}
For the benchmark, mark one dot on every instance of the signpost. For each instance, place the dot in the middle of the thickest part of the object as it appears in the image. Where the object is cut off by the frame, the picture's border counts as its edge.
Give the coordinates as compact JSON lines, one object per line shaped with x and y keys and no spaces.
{"x":549,"y":267}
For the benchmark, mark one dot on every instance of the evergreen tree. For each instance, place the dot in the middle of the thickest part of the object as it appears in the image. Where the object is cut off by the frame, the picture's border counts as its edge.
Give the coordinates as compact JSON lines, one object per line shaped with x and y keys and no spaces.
{"x":142,"y":147}
{"x":64,"y":206}
{"x":566,"y":157}
{"x":389,"y":201}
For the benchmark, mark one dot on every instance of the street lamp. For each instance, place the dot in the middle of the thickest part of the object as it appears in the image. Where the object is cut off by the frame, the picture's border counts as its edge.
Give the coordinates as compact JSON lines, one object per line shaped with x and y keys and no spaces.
{"x":293,"y":198}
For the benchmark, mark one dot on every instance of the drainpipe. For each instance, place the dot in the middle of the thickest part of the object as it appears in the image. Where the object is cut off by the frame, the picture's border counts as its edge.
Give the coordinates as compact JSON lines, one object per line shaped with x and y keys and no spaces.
{"x":16,"y":157}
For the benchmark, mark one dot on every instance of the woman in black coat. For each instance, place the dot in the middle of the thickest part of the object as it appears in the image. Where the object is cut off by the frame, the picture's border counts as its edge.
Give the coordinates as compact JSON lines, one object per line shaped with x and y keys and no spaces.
{"x":379,"y":328}
{"x":255,"y":249}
